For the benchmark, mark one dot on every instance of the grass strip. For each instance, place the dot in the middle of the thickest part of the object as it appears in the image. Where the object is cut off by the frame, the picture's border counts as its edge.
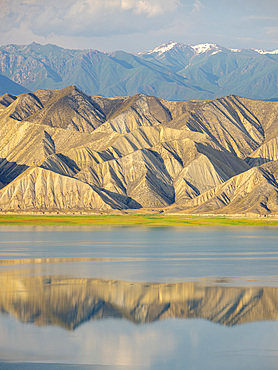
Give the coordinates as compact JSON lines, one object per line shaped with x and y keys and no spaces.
{"x":132,"y":220}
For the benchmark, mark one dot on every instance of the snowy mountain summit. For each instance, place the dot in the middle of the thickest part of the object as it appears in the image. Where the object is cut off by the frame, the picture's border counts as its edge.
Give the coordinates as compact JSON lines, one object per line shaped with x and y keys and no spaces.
{"x":162,"y":48}
{"x":203,"y":48}
{"x":207,"y":49}
{"x":260,"y":51}
{"x":171,"y":45}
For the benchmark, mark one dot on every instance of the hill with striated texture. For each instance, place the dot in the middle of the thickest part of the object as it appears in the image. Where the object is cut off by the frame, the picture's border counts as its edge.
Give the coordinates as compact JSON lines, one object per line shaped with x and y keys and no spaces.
{"x":65,"y":151}
{"x":173,"y":71}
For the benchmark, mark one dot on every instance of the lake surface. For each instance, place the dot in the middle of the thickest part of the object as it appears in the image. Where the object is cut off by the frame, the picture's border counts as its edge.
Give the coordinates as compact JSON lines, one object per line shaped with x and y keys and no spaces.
{"x":155,"y":298}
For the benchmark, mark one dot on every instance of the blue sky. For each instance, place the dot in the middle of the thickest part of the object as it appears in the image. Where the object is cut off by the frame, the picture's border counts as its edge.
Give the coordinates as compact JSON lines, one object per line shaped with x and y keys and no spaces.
{"x":139,"y":25}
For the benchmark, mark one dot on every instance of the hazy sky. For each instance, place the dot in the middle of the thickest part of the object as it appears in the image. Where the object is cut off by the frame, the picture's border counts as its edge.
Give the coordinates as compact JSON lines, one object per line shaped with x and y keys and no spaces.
{"x":137,"y":25}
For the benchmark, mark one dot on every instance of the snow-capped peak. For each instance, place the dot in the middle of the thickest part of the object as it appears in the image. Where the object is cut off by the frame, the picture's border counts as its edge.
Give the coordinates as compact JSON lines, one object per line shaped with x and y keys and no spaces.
{"x":162,"y":48}
{"x":203,"y":48}
{"x":260,"y":51}
{"x":199,"y":49}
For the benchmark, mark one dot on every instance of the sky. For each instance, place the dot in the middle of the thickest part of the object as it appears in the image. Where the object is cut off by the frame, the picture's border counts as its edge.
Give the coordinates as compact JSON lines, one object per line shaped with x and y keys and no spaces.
{"x":139,"y":25}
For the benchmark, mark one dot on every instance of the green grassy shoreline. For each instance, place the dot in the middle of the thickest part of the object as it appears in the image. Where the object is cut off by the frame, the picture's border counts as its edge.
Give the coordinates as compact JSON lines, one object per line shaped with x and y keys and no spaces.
{"x":134,"y":220}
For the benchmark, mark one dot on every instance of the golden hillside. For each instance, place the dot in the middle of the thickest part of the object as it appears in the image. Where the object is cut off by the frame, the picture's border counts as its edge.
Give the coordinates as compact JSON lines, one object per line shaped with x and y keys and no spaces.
{"x":64,"y":151}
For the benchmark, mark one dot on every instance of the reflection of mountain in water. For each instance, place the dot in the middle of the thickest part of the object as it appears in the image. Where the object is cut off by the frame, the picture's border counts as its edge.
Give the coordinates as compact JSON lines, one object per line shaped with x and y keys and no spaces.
{"x":69,"y":302}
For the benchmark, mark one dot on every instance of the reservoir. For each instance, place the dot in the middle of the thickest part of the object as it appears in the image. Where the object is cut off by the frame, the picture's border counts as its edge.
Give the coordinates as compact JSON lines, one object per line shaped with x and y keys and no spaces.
{"x":138,"y":298}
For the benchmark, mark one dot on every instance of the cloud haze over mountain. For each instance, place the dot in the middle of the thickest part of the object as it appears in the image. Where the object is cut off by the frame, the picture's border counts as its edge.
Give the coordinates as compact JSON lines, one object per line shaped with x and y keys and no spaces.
{"x":135,"y":25}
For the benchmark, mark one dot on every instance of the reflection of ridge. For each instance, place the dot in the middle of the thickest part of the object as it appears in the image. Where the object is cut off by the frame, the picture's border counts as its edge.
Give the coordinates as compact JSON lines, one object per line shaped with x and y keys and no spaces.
{"x":70,"y":302}
{"x":25,"y":261}
{"x":186,"y":257}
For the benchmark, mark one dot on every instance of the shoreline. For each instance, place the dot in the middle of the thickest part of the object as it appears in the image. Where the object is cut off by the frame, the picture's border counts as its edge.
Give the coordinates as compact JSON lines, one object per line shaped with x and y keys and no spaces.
{"x":148,"y":219}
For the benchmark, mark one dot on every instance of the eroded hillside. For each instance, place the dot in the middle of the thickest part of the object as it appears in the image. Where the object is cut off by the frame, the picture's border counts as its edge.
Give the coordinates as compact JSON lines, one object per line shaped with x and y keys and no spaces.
{"x":65,"y":151}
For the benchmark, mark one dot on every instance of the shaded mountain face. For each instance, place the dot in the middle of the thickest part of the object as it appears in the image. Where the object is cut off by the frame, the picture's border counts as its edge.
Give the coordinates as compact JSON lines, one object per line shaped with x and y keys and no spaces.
{"x":65,"y":151}
{"x":7,"y":86}
{"x":69,"y":302}
{"x":171,"y":71}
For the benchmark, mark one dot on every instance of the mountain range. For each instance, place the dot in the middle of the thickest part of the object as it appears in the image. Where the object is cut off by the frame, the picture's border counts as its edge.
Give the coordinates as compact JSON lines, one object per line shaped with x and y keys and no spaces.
{"x":66,"y":151}
{"x":172,"y":71}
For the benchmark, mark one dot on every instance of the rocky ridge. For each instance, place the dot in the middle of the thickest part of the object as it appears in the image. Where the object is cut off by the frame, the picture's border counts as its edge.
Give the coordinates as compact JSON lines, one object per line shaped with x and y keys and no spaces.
{"x":65,"y":151}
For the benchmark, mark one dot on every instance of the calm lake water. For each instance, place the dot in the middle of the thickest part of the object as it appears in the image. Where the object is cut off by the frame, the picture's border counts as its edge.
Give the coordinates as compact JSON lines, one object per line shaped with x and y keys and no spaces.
{"x":136,"y":298}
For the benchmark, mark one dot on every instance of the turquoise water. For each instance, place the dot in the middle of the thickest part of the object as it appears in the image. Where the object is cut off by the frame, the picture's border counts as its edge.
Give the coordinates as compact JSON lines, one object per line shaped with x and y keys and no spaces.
{"x":156,"y":298}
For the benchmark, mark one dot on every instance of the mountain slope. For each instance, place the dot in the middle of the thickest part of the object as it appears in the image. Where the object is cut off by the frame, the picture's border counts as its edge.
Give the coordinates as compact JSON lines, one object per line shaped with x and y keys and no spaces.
{"x":254,"y":191}
{"x":7,"y":86}
{"x":38,"y":189}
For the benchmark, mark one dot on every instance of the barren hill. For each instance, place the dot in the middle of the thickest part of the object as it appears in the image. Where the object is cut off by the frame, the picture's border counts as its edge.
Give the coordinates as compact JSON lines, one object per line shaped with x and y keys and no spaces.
{"x":63,"y":150}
